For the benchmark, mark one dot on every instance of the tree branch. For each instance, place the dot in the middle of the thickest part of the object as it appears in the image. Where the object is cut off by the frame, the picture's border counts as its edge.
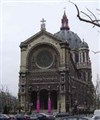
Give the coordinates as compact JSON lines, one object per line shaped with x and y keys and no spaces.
{"x":87,"y":15}
{"x":95,"y":22}
{"x":92,"y":13}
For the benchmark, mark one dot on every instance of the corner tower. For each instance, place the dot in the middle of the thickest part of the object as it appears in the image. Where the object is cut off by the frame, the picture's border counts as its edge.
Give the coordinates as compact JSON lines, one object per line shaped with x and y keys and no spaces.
{"x":64,"y":22}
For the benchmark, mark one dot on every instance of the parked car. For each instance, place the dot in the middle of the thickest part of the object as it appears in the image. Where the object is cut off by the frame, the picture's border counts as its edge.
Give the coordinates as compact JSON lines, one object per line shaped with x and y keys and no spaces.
{"x":61,"y":114}
{"x":97,"y":112}
{"x":39,"y":116}
{"x":20,"y":117}
{"x":76,"y":118}
{"x":4,"y":117}
{"x":96,"y":115}
{"x":27,"y":117}
{"x":48,"y":116}
{"x":12,"y":117}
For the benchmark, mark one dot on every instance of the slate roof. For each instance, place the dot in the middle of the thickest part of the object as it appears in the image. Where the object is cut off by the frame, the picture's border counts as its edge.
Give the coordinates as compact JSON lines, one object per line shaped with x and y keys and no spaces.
{"x":69,"y":36}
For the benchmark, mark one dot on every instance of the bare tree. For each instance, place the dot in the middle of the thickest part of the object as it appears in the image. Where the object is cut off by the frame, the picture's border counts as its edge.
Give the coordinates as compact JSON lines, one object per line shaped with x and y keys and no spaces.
{"x":8,"y":102}
{"x":95,"y":52}
{"x":92,"y":20}
{"x":97,"y":90}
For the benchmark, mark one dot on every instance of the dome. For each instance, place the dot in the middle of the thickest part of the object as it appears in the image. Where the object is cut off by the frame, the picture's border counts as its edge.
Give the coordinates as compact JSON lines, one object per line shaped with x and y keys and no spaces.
{"x":66,"y":35}
{"x":69,"y":36}
{"x":84,"y":45}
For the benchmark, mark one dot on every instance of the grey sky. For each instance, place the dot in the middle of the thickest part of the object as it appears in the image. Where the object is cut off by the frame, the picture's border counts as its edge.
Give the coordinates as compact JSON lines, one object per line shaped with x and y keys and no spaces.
{"x":21,"y":19}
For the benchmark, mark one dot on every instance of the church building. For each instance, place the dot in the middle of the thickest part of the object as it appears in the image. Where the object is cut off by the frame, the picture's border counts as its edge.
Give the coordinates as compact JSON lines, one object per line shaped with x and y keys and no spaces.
{"x":55,"y":71}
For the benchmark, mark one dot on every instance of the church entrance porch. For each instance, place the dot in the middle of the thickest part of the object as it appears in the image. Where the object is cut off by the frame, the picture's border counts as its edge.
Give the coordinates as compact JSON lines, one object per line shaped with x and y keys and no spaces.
{"x":44,"y":100}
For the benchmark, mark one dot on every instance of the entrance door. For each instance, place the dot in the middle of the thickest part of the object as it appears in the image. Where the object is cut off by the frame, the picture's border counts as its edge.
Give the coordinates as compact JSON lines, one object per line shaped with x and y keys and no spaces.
{"x":33,"y":99}
{"x":44,"y":99}
{"x":54,"y":99}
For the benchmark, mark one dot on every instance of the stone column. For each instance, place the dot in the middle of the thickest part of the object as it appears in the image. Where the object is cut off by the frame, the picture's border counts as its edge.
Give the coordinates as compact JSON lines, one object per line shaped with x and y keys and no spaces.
{"x":85,"y":57}
{"x":62,"y":104}
{"x":64,"y":54}
{"x":38,"y":103}
{"x":63,"y":68}
{"x":79,"y":57}
{"x":49,"y":103}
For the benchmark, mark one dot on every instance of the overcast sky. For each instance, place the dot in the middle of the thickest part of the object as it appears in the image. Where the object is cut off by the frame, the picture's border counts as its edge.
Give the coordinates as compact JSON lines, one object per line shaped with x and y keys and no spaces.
{"x":20,"y":20}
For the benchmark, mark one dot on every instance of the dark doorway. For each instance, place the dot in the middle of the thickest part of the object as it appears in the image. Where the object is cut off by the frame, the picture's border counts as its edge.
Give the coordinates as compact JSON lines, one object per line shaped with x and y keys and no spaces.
{"x":34,"y":99}
{"x":44,"y":99}
{"x":54,"y":99}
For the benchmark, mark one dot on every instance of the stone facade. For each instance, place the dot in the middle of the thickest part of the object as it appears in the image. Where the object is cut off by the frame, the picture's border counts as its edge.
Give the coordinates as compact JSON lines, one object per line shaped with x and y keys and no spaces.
{"x":53,"y":75}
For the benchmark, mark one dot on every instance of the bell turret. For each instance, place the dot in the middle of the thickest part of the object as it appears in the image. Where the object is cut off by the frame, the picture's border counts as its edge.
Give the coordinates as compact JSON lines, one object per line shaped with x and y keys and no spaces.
{"x":64,"y":22}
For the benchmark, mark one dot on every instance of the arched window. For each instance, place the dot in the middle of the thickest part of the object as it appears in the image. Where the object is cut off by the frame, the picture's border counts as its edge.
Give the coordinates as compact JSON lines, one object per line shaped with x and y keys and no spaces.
{"x":76,"y":57}
{"x":84,"y":76}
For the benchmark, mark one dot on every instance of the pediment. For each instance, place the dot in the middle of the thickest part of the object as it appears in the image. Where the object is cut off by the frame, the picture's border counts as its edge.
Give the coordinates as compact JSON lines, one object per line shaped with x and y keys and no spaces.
{"x":37,"y":35}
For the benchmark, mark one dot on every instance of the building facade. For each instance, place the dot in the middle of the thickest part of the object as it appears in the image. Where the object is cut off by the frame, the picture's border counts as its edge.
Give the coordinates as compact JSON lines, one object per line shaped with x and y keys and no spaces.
{"x":55,"y":71}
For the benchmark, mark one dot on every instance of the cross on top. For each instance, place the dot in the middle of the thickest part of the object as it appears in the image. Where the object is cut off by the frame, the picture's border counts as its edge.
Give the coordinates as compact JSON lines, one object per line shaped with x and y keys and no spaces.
{"x":43,"y":21}
{"x":43,"y":24}
{"x":64,"y":8}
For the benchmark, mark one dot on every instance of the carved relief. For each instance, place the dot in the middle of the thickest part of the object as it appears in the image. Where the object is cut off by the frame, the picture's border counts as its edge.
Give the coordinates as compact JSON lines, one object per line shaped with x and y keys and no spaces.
{"x":43,"y":77}
{"x":38,"y":87}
